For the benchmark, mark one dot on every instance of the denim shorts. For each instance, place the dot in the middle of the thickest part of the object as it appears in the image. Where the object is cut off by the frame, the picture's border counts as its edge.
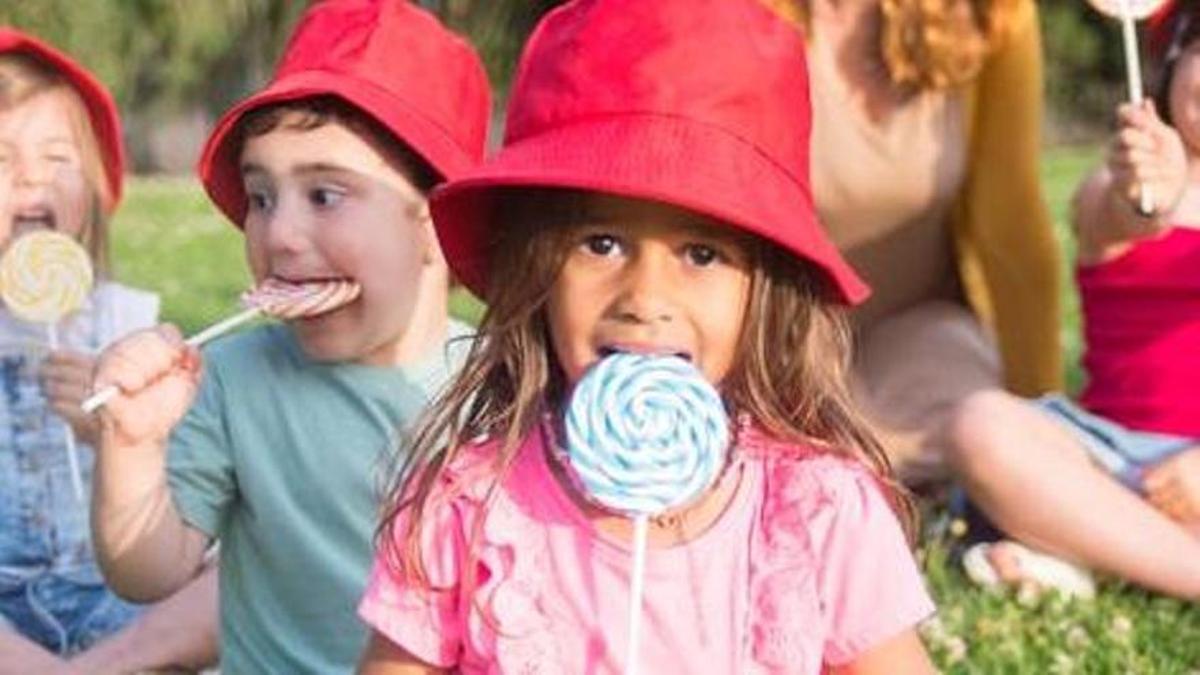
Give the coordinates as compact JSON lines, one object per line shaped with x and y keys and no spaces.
{"x":1121,"y":451}
{"x":61,"y":612}
{"x":51,"y":590}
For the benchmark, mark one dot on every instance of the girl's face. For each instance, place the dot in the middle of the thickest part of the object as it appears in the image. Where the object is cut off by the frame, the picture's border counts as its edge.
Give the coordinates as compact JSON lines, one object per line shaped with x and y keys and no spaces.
{"x":1185,"y":97}
{"x":42,"y":180}
{"x":649,"y":278}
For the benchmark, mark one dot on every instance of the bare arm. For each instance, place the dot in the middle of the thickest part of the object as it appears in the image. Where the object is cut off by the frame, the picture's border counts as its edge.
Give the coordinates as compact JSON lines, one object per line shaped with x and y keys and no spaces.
{"x":384,"y":657}
{"x":1145,"y":153}
{"x":144,"y":547}
{"x":901,"y":655}
{"x":179,"y":632}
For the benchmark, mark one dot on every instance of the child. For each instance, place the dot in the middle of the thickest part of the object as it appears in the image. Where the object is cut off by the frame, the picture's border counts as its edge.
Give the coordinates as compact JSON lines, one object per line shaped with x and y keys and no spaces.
{"x":61,"y":169}
{"x":1113,"y":482}
{"x":326,"y":171}
{"x":649,"y":199}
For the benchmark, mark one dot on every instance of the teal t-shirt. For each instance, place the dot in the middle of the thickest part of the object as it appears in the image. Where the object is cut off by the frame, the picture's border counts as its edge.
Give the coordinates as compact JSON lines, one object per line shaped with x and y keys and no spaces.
{"x":284,"y":460}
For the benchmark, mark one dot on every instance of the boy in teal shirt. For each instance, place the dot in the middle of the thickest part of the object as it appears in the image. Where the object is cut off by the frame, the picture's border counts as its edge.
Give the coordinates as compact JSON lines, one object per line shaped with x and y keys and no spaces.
{"x":287,"y":428}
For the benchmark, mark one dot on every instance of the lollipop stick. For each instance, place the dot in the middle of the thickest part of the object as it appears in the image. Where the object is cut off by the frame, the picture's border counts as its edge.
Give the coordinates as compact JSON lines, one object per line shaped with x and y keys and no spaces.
{"x":68,"y":434}
{"x":95,"y":401}
{"x":222,"y":327}
{"x":1133,"y":71}
{"x":638,"y":575}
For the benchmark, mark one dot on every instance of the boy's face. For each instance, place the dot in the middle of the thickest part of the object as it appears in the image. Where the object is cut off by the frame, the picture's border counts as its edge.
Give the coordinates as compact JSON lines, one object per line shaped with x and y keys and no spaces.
{"x":42,"y":182}
{"x":325,"y":204}
{"x":649,"y":278}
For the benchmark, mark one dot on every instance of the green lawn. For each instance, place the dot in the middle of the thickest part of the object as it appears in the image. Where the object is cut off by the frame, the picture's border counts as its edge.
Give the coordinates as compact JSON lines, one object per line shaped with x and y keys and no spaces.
{"x":168,"y":238}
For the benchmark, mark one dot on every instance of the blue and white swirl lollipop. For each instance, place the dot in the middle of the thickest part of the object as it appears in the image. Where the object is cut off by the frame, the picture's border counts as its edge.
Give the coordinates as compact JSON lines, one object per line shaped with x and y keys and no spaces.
{"x":644,"y":435}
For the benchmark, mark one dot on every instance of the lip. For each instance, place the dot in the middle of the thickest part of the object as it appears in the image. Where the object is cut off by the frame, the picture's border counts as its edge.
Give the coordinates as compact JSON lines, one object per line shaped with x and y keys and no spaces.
{"x":299,"y":279}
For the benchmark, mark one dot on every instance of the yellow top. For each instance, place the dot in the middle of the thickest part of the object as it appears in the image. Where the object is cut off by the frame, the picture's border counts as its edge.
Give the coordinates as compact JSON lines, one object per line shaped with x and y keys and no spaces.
{"x":1008,"y":258}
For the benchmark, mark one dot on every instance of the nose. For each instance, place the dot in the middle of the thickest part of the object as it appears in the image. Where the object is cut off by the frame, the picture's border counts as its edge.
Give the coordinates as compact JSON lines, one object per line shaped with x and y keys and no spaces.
{"x":287,"y":233}
{"x":647,"y":287}
{"x":32,"y":172}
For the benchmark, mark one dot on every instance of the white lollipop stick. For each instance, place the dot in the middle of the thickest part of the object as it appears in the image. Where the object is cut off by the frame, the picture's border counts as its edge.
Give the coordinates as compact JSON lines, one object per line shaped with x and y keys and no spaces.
{"x":640,"y":532}
{"x":1133,"y":71}
{"x":68,"y":434}
{"x":222,"y":327}
{"x":98,"y":399}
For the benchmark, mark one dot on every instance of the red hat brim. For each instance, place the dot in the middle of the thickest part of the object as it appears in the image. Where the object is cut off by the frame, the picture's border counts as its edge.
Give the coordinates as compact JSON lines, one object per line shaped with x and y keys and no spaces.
{"x":219,"y":162}
{"x":657,"y":157}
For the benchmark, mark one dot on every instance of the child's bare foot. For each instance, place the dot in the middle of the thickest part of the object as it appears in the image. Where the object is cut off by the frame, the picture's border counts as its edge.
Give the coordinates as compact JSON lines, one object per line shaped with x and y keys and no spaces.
{"x":1009,"y":563}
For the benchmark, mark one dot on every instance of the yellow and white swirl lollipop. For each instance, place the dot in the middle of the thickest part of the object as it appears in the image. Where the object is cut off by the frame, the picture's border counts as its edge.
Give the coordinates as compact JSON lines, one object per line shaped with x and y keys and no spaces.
{"x":44,"y":276}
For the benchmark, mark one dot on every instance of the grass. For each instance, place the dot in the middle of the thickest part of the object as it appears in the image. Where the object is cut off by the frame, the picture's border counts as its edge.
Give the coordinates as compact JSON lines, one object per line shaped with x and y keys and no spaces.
{"x":169,"y":238}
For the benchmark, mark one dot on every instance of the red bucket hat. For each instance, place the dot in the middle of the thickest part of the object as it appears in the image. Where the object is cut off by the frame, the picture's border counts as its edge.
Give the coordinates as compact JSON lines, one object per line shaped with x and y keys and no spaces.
{"x":702,"y":104}
{"x":101,"y":109}
{"x":388,"y":58}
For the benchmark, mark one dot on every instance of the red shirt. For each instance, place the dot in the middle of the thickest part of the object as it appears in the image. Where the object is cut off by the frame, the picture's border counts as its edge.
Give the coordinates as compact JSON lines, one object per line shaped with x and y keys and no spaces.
{"x":1142,"y":331}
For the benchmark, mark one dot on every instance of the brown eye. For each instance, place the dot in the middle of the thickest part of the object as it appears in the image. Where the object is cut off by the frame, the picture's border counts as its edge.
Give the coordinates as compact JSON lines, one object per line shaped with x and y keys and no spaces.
{"x":701,"y":255}
{"x":258,"y":201}
{"x":325,"y":197}
{"x":601,"y":244}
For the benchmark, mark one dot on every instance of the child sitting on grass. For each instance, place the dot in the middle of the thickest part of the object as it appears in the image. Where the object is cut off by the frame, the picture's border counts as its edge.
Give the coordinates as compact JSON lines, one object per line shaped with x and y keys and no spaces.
{"x":272,"y":441}
{"x":1113,"y":482}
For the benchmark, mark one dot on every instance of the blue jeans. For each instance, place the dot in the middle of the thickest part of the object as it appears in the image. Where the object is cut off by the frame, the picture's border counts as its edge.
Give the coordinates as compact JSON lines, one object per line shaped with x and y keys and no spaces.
{"x":1123,"y":452}
{"x":50,"y":588}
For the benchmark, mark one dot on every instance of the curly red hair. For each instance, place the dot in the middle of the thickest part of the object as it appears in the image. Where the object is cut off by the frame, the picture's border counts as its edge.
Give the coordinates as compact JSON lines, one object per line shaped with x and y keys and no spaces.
{"x":929,"y":44}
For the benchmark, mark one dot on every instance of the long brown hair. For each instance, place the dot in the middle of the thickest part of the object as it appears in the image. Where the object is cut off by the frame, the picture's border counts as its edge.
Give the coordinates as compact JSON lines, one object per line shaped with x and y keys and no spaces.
{"x":789,"y":377}
{"x":929,"y":44}
{"x":21,"y":78}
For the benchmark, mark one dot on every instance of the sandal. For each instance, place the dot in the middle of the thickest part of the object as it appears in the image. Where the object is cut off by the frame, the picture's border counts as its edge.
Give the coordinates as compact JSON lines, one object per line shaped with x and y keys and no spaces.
{"x":1045,"y":570}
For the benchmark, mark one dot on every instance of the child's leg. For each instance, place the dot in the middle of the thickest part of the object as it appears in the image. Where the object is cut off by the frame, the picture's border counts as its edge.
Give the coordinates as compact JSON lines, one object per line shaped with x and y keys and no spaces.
{"x":19,"y":655}
{"x":911,"y":370}
{"x":1032,"y":477}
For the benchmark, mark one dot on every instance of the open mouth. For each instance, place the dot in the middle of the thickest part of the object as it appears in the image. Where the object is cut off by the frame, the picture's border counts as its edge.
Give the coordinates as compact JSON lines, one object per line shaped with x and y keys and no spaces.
{"x":31,"y":219}
{"x":650,"y":350}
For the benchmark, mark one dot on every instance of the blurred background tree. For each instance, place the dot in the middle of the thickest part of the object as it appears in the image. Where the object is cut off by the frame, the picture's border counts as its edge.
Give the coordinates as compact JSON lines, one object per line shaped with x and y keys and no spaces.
{"x":175,"y":64}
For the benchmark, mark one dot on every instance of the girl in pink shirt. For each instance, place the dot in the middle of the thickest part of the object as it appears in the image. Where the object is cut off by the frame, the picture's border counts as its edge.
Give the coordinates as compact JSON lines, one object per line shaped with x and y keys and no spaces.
{"x":652,"y":197}
{"x":1113,"y":483}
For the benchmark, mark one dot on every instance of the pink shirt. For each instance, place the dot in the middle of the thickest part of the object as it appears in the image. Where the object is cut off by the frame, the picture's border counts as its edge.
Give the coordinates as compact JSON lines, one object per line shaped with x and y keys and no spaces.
{"x":807,"y":566}
{"x":1142,"y":330}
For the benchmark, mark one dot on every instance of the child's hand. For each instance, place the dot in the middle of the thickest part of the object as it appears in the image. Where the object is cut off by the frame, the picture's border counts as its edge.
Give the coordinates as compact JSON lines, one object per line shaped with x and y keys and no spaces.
{"x":1173,"y":486}
{"x":157,"y":375}
{"x":1146,"y":155}
{"x":67,"y":381}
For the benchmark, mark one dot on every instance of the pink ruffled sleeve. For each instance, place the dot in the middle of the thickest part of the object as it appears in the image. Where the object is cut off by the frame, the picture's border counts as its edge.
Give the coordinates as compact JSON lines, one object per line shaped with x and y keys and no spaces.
{"x":868,"y":580}
{"x":428,"y":622}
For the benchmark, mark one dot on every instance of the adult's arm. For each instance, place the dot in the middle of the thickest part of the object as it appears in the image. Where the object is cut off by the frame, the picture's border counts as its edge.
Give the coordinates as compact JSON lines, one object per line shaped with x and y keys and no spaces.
{"x":1010,"y":260}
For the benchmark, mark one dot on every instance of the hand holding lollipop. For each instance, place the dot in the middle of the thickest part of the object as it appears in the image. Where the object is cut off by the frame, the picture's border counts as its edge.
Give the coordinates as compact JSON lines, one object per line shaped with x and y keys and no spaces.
{"x":645,"y":434}
{"x":45,"y":276}
{"x":273,"y":297}
{"x":1128,"y":11}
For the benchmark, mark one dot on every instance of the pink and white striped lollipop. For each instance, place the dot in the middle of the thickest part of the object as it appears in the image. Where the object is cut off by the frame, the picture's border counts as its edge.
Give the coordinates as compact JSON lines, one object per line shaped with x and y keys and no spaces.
{"x":275,"y":297}
{"x":288,"y":300}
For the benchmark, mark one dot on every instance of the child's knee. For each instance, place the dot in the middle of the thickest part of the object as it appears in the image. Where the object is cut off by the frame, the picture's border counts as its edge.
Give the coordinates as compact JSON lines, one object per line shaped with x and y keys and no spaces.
{"x":979,"y":431}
